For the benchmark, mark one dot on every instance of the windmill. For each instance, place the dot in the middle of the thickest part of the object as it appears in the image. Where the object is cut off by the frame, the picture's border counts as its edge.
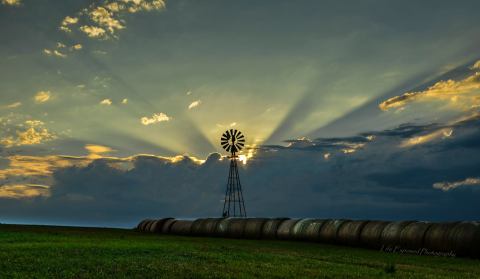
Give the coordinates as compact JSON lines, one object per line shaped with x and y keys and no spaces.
{"x":233,"y":141}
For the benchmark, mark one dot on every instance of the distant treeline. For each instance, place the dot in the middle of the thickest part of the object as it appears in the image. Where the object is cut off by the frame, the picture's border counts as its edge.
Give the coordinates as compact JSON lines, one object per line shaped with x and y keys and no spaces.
{"x":445,"y":239}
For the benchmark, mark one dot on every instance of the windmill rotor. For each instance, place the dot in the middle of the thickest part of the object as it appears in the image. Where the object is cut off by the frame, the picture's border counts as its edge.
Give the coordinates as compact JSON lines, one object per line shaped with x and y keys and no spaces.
{"x":232,"y":141}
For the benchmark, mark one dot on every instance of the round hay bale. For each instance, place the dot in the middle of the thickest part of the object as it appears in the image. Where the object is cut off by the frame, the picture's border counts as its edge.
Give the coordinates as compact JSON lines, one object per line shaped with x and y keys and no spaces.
{"x":436,"y":237}
{"x":413,"y":234}
{"x":328,"y":232}
{"x":298,"y":231}
{"x":208,"y":227}
{"x":253,"y":228}
{"x":167,"y":224}
{"x":236,"y":227}
{"x":196,"y":226}
{"x":349,"y":232}
{"x":156,"y":226}
{"x":181,"y":227}
{"x":145,"y":224}
{"x":464,"y":238}
{"x":371,"y":234}
{"x":148,"y":226}
{"x":141,"y":225}
{"x":284,"y":231}
{"x":391,"y":233}
{"x":222,"y":227}
{"x":271,"y":226}
{"x":312,"y":231}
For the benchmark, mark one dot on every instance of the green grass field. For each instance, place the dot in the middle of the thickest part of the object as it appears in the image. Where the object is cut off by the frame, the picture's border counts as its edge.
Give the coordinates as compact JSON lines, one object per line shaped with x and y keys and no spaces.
{"x":63,"y":252}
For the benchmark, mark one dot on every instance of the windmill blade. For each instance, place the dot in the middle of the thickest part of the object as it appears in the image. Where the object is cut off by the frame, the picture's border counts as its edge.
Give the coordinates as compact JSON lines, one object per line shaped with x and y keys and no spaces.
{"x":228,"y":148}
{"x":238,"y":147}
{"x":234,"y":149}
{"x":241,"y":143}
{"x":235,"y":132}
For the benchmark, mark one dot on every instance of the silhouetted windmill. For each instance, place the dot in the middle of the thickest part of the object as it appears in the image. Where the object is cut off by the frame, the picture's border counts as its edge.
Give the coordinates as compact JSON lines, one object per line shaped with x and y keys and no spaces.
{"x":234,"y":206}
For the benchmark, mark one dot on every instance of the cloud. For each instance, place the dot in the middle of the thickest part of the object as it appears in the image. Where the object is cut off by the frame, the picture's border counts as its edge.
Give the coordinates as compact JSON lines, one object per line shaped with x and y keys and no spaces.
{"x":96,"y":151}
{"x":441,"y":133}
{"x":31,"y":132}
{"x":12,"y":2}
{"x":103,"y":21}
{"x":156,"y":118}
{"x":60,"y":49}
{"x":460,"y":94}
{"x":93,"y":31}
{"x":66,"y":22}
{"x":380,"y":180}
{"x":106,"y":102}
{"x":42,"y":97}
{"x":13,"y":105}
{"x":23,"y":191}
{"x":447,"y":186}
{"x":476,"y":65}
{"x":77,"y":47}
{"x":194,"y":104}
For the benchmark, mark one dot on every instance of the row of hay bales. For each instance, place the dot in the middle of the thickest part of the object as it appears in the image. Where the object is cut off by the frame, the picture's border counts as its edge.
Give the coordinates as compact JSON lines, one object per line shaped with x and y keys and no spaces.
{"x":459,"y":238}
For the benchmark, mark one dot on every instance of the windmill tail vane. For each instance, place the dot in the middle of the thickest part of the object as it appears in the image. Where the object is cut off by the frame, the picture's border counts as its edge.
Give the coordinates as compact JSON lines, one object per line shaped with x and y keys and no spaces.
{"x":234,"y":205}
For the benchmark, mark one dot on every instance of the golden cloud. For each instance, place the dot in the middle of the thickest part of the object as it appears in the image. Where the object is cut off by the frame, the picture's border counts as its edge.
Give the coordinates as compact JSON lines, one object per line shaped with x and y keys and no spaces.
{"x":77,"y":47}
{"x":156,"y":118}
{"x":54,"y":52}
{"x":42,"y":96}
{"x":59,"y":54}
{"x":194,"y":104}
{"x":93,"y":31}
{"x":106,"y":102}
{"x":66,"y":22}
{"x":446,"y":186}
{"x":13,"y":105}
{"x":105,"y":19}
{"x":12,"y":2}
{"x":96,"y":150}
{"x":476,"y":65}
{"x":34,"y":132}
{"x":439,"y":134}
{"x":462,"y":94}
{"x":19,"y":191}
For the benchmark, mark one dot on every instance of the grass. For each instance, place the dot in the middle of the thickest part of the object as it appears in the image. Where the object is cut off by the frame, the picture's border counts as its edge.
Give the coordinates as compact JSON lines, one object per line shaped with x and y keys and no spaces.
{"x":66,"y":252}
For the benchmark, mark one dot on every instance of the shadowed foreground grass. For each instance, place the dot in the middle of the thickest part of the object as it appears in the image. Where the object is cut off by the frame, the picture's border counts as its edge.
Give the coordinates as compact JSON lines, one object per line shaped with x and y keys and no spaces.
{"x":65,"y":252}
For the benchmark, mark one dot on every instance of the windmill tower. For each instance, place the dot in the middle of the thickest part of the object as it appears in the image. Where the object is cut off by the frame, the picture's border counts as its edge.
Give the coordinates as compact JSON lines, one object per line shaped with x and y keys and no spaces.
{"x":234,"y":206}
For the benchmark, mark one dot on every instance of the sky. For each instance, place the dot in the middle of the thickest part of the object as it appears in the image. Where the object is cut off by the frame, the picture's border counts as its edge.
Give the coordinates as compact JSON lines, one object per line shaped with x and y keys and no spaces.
{"x":112,"y":111}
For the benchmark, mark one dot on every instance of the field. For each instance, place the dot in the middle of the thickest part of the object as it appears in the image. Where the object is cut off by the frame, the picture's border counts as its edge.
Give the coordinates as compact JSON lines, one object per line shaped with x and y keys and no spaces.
{"x":67,"y":252}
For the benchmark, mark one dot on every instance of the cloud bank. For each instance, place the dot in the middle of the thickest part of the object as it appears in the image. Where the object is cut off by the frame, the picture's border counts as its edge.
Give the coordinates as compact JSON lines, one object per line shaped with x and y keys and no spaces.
{"x":462,"y":94}
{"x":371,"y":175}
